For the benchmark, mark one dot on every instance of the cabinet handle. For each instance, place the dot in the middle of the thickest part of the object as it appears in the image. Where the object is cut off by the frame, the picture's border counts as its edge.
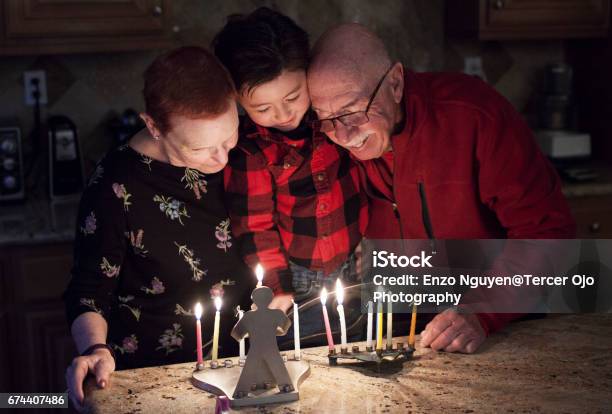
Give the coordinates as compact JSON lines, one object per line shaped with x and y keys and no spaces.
{"x":595,"y":227}
{"x":157,"y":11}
{"x":499,"y":4}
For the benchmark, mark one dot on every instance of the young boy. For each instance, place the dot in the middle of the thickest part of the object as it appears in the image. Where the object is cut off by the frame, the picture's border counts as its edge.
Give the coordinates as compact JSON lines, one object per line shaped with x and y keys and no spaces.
{"x":294,"y":197}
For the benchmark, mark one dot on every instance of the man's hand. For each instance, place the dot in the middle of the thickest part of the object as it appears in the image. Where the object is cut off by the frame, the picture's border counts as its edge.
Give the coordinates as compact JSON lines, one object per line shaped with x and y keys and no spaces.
{"x":453,"y":332}
{"x":282,"y":302}
{"x":100,"y":364}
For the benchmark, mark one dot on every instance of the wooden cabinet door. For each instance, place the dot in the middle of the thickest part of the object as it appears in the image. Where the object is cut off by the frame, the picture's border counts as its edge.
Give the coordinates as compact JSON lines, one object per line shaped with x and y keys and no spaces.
{"x":5,"y":371}
{"x":35,"y":27}
{"x":547,"y":13}
{"x":528,"y":19}
{"x":59,"y":18}
{"x":42,"y":348}
{"x":38,"y":334}
{"x":593,"y":216}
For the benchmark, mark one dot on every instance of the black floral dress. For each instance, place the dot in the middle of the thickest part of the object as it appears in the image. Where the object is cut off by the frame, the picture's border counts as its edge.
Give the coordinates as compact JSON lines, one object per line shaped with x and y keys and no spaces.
{"x":152,"y":240}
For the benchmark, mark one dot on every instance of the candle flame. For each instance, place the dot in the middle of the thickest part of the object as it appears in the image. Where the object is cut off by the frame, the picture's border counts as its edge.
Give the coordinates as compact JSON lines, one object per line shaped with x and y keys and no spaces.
{"x":259,"y":273}
{"x":339,"y":292}
{"x":218,"y":302}
{"x":324,"y":296}
{"x":198,"y":311}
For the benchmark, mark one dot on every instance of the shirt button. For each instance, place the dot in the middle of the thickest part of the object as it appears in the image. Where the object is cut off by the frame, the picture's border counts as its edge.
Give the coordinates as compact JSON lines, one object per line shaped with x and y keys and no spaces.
{"x":320,"y":177}
{"x":322,"y":206}
{"x":287,"y":165}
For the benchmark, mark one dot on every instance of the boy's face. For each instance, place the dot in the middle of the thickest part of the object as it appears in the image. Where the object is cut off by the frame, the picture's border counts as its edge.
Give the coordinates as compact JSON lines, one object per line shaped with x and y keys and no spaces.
{"x":280,"y":103}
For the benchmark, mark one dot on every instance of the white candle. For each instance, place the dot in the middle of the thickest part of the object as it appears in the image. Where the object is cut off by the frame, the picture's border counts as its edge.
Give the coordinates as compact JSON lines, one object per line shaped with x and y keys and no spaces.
{"x":370,"y":313}
{"x":330,"y":339}
{"x":259,"y":274}
{"x":198,"y":315}
{"x":379,"y":325}
{"x":389,"y":326}
{"x":241,"y":343}
{"x":215,"y":349}
{"x":340,"y":299}
{"x":296,"y":331}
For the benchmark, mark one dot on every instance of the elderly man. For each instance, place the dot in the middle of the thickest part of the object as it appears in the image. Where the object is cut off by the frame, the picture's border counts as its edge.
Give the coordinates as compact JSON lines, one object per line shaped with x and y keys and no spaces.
{"x":443,"y":156}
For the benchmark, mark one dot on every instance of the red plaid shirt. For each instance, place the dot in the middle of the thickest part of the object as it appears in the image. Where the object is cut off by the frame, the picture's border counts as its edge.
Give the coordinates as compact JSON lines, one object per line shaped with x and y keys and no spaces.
{"x":293,"y":200}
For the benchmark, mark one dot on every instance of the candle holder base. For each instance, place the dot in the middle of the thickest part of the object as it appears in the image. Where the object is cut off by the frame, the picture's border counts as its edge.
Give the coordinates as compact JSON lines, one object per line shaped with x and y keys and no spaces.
{"x":199,"y":366}
{"x":223,"y":381}
{"x":368,"y":355}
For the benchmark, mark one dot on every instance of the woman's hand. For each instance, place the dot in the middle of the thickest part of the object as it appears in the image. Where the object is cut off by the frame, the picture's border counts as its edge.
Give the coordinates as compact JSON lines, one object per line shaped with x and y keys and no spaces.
{"x":282,"y":302}
{"x":100,"y":364}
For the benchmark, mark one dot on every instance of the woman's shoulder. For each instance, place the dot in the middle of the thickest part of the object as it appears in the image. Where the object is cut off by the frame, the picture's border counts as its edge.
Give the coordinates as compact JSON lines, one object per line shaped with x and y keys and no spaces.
{"x":115,"y":165}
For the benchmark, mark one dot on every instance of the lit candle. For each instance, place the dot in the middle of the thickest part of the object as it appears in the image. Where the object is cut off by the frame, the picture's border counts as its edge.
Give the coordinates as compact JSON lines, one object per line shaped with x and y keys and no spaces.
{"x":330,"y":339}
{"x":379,"y":326}
{"x":215,"y":349}
{"x":340,"y":299}
{"x":296,"y":331}
{"x":389,"y":326}
{"x":412,"y":326}
{"x":198,"y":315}
{"x":259,"y":274}
{"x":370,"y":312}
{"x":241,"y":343}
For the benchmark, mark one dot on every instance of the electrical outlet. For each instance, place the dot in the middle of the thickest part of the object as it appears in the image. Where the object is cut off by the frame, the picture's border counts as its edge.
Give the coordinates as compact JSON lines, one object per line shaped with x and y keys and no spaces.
{"x":472,"y":65}
{"x":29,"y":85}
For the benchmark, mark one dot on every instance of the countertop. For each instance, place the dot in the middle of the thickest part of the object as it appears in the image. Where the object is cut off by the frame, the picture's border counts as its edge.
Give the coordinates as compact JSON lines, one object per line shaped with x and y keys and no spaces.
{"x":560,"y":364}
{"x":38,"y":222}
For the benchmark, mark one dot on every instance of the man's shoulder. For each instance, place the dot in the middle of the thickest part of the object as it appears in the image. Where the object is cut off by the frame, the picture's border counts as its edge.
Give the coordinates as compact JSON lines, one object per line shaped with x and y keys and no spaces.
{"x":458,"y":91}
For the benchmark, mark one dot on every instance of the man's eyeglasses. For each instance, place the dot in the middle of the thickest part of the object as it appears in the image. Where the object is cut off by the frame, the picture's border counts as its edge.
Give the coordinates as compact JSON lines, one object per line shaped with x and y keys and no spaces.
{"x":351,"y":119}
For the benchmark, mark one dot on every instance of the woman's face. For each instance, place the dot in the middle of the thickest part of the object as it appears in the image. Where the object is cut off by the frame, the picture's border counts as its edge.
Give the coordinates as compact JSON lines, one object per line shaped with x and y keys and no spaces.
{"x":280,"y":103}
{"x":202,"y":144}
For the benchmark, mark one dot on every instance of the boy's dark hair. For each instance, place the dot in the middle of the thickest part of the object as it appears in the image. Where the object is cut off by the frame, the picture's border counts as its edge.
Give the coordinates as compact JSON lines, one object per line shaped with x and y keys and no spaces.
{"x":257,"y":47}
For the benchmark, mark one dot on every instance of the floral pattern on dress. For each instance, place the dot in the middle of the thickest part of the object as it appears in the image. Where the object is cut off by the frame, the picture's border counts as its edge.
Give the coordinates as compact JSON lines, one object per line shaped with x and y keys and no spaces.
{"x":194,"y":180}
{"x":172,"y":339}
{"x":157,"y":287}
{"x":193,"y":262}
{"x":108,"y":269}
{"x":218,"y":290}
{"x":222,"y":233}
{"x":124,"y":304}
{"x":96,"y":175}
{"x":90,"y":224}
{"x":179,"y":310}
{"x":91,"y":304}
{"x":136,"y":242}
{"x":172,"y":208}
{"x":121,"y":192}
{"x":130,"y":345}
{"x":146,"y":160}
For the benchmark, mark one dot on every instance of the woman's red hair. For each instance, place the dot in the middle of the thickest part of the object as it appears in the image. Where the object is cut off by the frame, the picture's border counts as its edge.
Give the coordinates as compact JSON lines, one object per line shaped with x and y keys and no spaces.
{"x":187,"y":81}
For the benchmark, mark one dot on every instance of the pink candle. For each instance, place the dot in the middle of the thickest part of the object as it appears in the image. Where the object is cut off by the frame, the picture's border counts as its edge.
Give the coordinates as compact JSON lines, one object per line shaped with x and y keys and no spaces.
{"x":198,"y":315}
{"x":330,"y":339}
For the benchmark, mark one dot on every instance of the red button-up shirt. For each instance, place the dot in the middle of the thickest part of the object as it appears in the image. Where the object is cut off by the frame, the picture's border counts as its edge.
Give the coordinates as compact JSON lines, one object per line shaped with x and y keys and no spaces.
{"x":295,"y":200}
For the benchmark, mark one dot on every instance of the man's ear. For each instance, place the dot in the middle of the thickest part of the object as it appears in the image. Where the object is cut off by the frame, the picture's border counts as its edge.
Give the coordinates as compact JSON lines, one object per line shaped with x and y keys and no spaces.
{"x":151,"y":126}
{"x":396,"y":76}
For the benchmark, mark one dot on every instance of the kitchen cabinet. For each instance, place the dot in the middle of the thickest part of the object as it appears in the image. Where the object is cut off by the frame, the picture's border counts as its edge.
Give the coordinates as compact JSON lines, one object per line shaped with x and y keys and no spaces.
{"x":38,"y":339}
{"x":73,"y":26}
{"x":5,"y":380}
{"x":527,"y":19}
{"x":593,"y":216}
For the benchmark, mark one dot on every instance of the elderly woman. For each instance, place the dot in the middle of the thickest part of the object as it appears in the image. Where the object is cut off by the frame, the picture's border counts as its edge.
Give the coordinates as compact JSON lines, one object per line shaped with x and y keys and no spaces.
{"x":153,"y":234}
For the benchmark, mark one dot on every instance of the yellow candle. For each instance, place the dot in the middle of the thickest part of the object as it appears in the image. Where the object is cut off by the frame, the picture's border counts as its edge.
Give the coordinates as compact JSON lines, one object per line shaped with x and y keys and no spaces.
{"x":412,"y":326}
{"x":215,"y":349}
{"x":379,"y":326}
